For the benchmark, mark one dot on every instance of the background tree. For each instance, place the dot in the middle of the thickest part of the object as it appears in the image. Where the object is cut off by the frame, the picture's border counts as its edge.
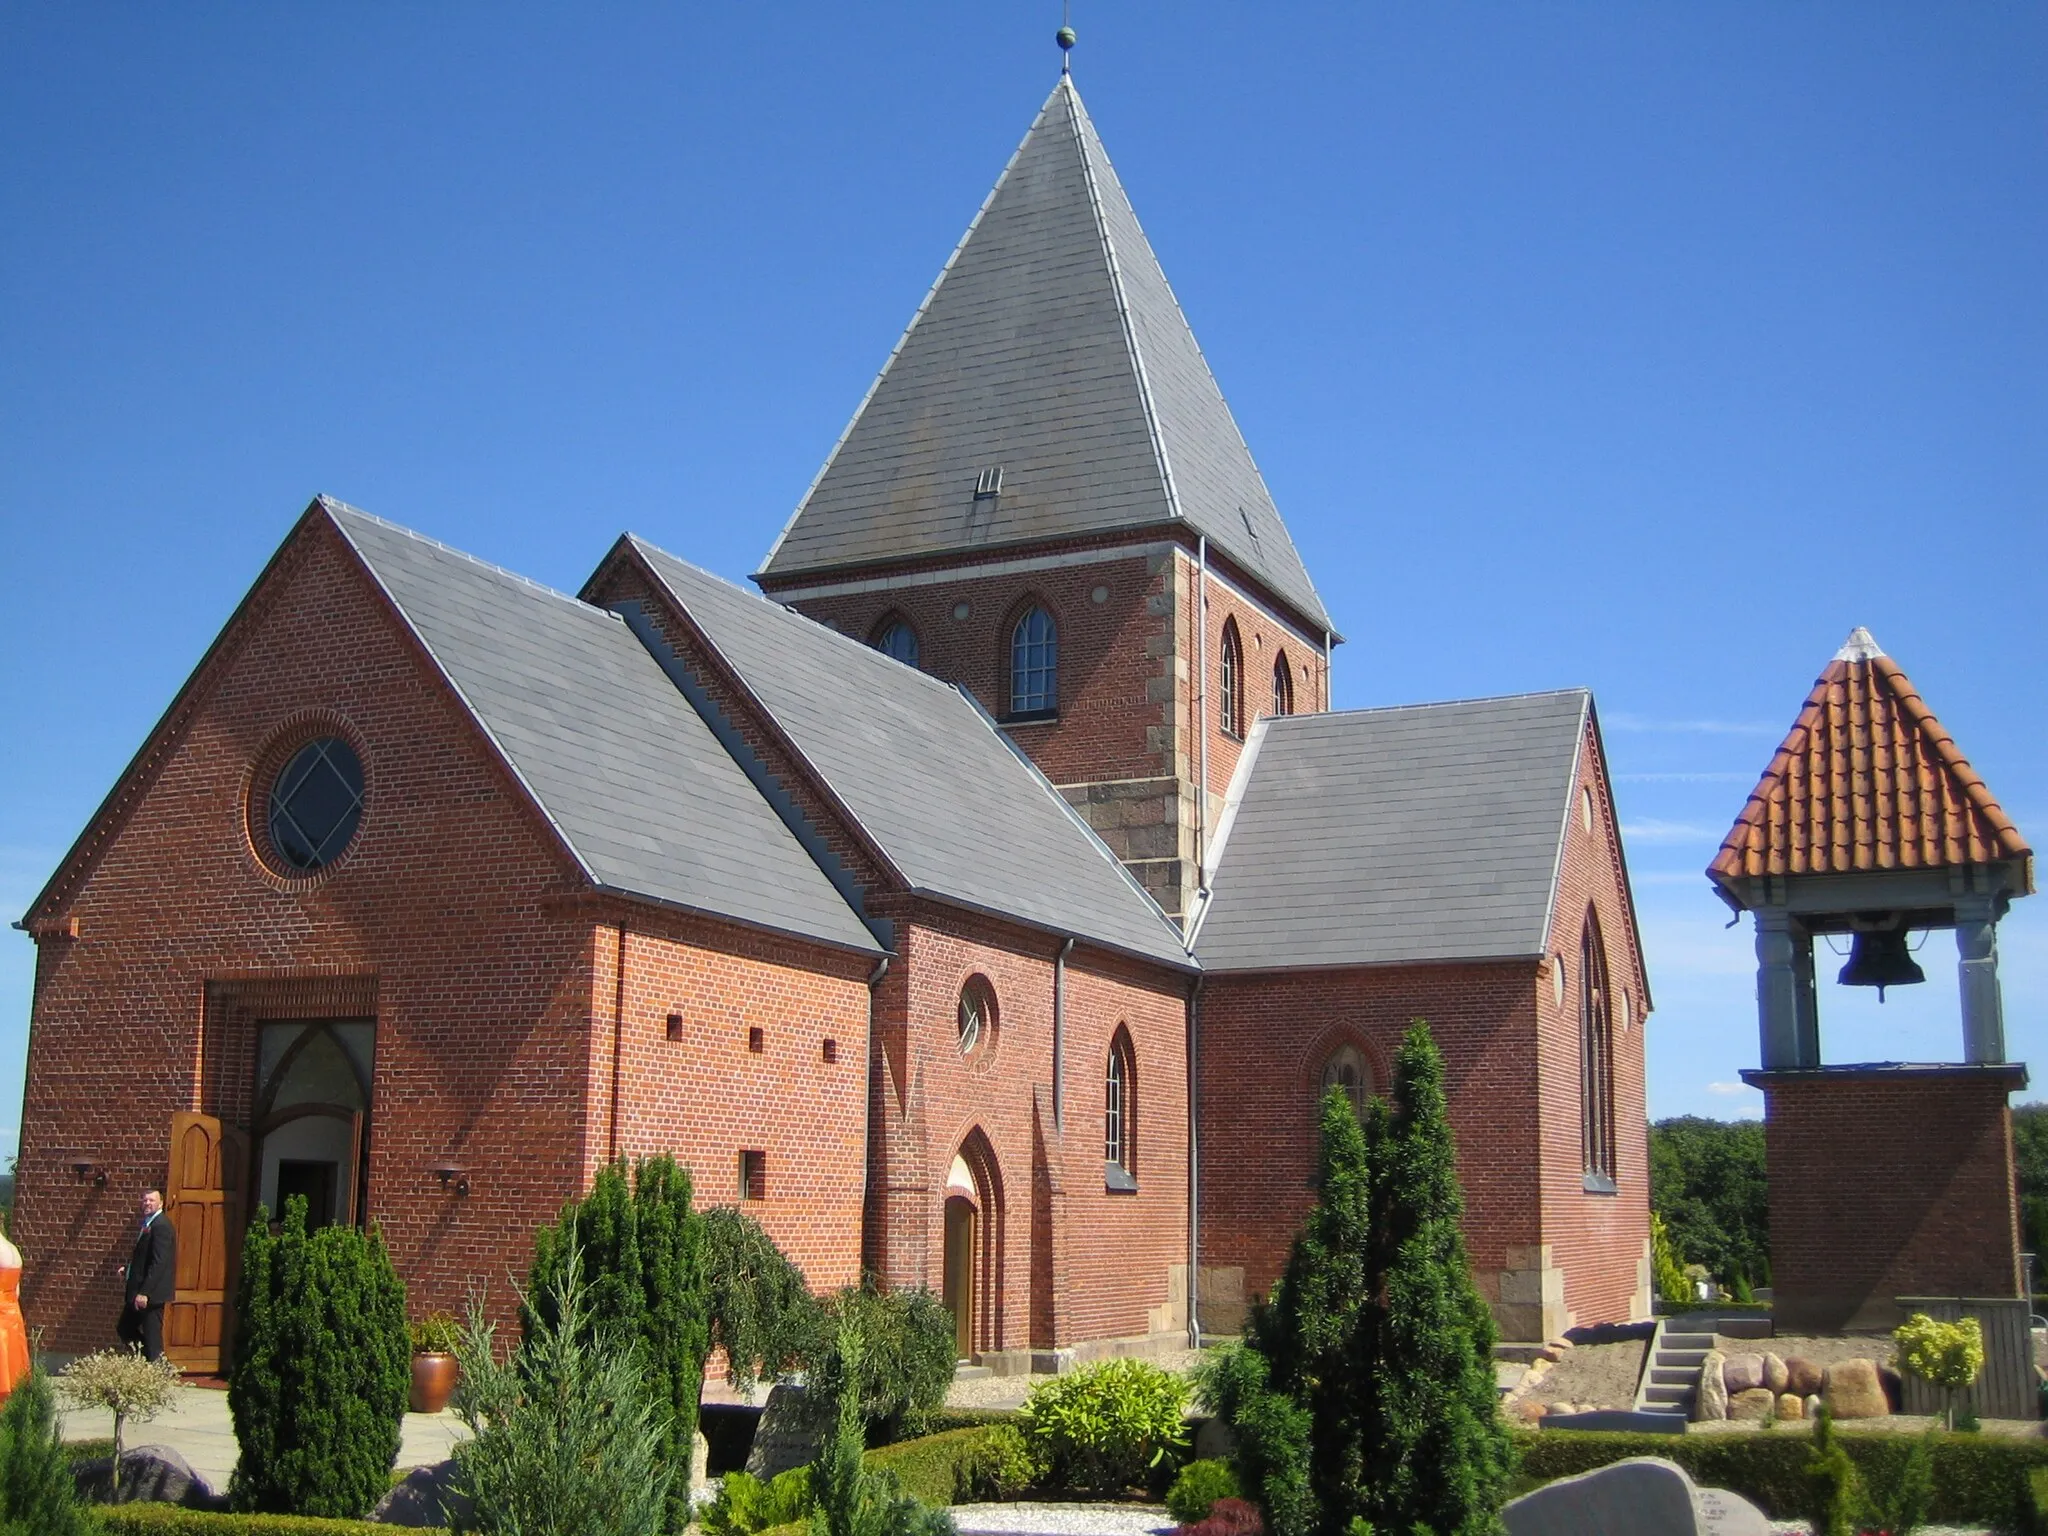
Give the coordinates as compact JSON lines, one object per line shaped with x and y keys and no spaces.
{"x":2030,"y":1159}
{"x":640,"y":1249}
{"x":1708,"y":1183}
{"x":323,"y":1366}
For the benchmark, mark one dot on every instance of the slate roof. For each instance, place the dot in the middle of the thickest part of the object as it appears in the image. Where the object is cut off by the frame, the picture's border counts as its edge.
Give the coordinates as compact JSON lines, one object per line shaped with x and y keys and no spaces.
{"x":1867,"y":779}
{"x":1052,"y":346}
{"x":629,"y":774}
{"x":1371,"y":837}
{"x":960,"y":814}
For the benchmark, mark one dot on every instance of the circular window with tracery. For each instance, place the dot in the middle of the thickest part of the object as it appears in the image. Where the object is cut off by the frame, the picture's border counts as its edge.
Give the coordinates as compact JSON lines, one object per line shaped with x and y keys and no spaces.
{"x":315,"y":804}
{"x":977,"y":1014}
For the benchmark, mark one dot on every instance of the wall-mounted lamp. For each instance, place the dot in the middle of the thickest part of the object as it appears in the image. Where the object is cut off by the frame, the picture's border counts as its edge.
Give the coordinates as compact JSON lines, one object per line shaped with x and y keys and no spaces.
{"x":451,"y":1177}
{"x":83,"y":1168}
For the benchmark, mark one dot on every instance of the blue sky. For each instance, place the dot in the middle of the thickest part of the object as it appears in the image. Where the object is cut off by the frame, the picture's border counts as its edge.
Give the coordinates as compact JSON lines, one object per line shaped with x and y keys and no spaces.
{"x":1643,"y":347}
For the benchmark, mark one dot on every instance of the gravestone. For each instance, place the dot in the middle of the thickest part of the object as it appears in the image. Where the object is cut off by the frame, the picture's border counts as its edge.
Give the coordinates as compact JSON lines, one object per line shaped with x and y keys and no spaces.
{"x":1645,"y":1496}
{"x":791,"y":1431}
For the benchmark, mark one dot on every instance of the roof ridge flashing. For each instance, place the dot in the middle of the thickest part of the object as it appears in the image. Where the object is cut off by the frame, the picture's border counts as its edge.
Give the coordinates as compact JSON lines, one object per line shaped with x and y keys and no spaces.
{"x":333,"y":506}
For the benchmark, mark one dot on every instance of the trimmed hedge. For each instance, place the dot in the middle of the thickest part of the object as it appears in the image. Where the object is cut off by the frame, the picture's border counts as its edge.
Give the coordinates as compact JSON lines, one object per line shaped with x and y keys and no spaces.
{"x":939,"y":1420}
{"x":1978,"y":1479}
{"x":931,"y":1466}
{"x":173,"y":1520}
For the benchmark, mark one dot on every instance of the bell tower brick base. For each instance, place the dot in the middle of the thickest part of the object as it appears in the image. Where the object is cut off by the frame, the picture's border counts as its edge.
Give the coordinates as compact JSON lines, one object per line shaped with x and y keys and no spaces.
{"x":1888,"y":1180}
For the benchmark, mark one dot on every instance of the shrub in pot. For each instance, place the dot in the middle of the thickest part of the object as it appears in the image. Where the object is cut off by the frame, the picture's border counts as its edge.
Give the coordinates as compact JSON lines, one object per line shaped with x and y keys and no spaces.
{"x":434,"y":1368}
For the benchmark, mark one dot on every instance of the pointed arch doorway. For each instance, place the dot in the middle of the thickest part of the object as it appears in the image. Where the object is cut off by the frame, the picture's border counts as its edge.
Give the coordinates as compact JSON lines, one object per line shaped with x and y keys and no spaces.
{"x":967,"y":1287}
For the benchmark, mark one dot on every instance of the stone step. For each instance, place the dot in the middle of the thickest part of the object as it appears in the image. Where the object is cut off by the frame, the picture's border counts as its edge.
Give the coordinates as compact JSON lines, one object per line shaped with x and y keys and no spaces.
{"x":1673,"y":1376}
{"x":1701,"y":1341}
{"x":966,"y":1372}
{"x":1691,"y":1359}
{"x":1668,"y":1397}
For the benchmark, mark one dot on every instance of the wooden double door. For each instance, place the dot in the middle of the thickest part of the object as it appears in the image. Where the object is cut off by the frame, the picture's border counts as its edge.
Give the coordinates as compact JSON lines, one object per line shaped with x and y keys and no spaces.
{"x":203,"y":1199}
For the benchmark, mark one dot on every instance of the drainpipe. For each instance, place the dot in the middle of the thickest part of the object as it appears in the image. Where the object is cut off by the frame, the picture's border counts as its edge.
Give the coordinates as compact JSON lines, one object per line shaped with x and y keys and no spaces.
{"x":1194,"y":1161}
{"x":867,"y":1112}
{"x":618,"y":1034}
{"x":1202,"y":712}
{"x":1326,"y":671}
{"x":1059,"y":1036}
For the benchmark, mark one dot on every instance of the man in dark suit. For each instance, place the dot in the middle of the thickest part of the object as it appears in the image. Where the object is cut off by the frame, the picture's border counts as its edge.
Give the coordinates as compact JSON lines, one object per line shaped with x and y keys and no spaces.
{"x":152,"y":1277}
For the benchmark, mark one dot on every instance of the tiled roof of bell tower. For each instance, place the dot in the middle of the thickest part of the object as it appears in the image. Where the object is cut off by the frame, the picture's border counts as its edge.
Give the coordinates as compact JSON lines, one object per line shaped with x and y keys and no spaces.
{"x":1047,"y":388}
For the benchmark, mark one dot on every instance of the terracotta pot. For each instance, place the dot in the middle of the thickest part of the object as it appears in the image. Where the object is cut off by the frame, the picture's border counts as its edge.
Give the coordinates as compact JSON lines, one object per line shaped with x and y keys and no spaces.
{"x":433,"y":1379}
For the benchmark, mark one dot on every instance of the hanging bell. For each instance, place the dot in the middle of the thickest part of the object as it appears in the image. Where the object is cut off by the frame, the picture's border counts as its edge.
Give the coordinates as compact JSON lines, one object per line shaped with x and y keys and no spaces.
{"x":1880,"y":959}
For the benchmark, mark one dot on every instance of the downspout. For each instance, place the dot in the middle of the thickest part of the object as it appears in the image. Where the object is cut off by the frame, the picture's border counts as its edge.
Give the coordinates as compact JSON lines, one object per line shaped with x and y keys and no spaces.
{"x":1326,"y":671}
{"x":867,"y":1115}
{"x":1059,"y":1036}
{"x":1202,"y":711}
{"x":1194,"y":1162}
{"x":618,"y":1033}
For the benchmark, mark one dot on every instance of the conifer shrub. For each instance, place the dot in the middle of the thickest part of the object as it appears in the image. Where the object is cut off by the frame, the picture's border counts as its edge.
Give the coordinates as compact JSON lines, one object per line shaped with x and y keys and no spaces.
{"x":640,"y":1252}
{"x":746,"y":1505}
{"x":322,"y":1369}
{"x":568,"y":1437}
{"x":38,"y":1494}
{"x":1108,"y":1426}
{"x":850,"y":1497}
{"x":1200,"y":1484}
{"x":1364,"y":1392}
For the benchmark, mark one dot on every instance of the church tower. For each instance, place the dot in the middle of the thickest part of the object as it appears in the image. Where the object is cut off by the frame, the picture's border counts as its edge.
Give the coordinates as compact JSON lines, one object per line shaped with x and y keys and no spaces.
{"x":1045,"y":499}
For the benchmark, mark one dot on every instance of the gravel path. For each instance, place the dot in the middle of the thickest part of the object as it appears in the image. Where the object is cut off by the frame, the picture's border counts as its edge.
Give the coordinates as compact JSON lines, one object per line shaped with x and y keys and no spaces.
{"x":1061,"y":1519}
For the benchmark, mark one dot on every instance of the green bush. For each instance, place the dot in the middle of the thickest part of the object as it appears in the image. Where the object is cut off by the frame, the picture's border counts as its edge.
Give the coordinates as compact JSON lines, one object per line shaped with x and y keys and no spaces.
{"x":567,"y":1438}
{"x":322,"y":1369}
{"x":1003,"y":1465}
{"x":171,"y":1520}
{"x":745,"y":1505}
{"x":908,"y":1352}
{"x":436,"y":1334}
{"x":759,"y":1309}
{"x":1200,"y":1484}
{"x":1108,"y":1426}
{"x":642,"y":1255}
{"x":1977,"y":1479}
{"x":2034,"y":1520}
{"x":38,"y":1494}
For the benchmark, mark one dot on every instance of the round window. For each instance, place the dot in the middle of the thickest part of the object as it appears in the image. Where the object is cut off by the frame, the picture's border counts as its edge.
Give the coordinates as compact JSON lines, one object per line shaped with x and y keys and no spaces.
{"x":315,"y":803}
{"x":977,"y":1014}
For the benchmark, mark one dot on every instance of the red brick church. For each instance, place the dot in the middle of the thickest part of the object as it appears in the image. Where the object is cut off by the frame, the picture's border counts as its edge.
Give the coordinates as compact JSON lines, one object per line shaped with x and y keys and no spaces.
{"x":987,"y":906}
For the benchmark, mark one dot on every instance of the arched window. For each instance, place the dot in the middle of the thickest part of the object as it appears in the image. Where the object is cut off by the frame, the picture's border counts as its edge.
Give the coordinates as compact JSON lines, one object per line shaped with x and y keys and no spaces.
{"x":1120,"y":1107}
{"x":896,"y":638}
{"x":1346,"y":1069}
{"x":1034,"y":664}
{"x":1283,"y":686}
{"x":1596,"y":1060}
{"x":1231,"y":680}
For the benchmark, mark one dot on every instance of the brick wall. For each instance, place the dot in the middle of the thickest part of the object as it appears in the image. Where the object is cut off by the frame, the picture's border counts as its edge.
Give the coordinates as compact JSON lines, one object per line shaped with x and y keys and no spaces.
{"x":1888,"y":1183}
{"x":1596,"y":1239}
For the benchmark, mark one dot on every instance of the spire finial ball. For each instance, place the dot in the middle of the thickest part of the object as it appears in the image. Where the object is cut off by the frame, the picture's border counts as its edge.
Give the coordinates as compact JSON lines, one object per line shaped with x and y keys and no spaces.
{"x":1065,"y":38}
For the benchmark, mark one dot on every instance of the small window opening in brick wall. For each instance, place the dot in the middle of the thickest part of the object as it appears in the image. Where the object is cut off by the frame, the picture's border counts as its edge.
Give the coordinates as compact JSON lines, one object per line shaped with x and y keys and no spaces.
{"x":831,"y":1051}
{"x":753,"y":1175}
{"x":675,"y":1026}
{"x":754,"y":1039}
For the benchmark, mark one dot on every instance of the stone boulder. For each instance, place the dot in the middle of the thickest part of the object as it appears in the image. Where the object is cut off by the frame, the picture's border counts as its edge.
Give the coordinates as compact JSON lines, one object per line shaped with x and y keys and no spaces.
{"x":1712,"y":1401}
{"x":1742,"y":1373}
{"x":1852,"y":1390}
{"x":1791,"y":1406}
{"x":1802,"y":1376}
{"x":1753,"y":1404}
{"x":1645,"y":1496}
{"x":425,"y":1496}
{"x":1775,"y":1375}
{"x":152,"y":1473}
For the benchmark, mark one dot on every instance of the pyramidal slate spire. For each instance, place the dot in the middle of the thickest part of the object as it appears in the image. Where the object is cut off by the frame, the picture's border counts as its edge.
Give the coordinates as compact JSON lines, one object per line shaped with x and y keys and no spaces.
{"x":1052,"y":348}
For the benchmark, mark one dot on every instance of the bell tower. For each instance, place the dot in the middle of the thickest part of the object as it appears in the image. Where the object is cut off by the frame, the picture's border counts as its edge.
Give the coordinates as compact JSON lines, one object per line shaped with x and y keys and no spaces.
{"x":1045,"y":500}
{"x":1888,"y":1179}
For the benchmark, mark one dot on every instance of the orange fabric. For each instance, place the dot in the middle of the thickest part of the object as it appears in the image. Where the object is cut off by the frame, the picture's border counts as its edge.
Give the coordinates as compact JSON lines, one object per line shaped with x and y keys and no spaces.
{"x":1867,"y":780}
{"x":13,"y":1332}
